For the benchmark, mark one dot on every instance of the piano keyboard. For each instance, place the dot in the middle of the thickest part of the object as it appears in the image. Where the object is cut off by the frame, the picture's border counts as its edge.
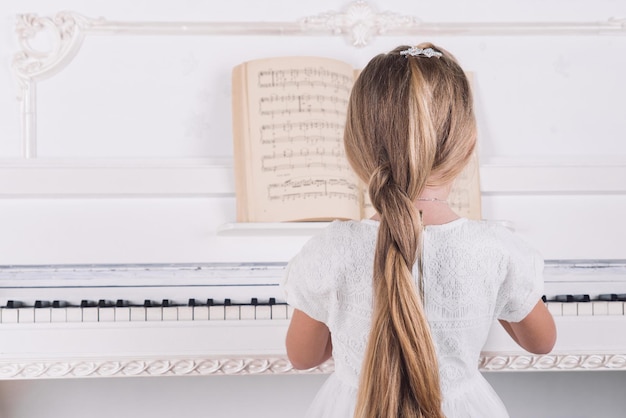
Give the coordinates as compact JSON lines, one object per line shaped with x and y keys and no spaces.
{"x":211,"y":310}
{"x":585,"y":289}
{"x":587,"y":301}
{"x":107,"y":315}
{"x":583,"y":305}
{"x":124,"y":311}
{"x":235,"y":292}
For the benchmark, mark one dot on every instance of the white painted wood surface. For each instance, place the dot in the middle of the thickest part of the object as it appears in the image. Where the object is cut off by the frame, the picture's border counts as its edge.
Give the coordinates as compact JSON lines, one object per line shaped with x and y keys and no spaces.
{"x":133,"y":147}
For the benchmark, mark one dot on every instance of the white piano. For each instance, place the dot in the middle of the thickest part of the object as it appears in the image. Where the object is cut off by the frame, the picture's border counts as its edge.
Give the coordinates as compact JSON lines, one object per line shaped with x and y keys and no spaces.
{"x":96,"y":192}
{"x":182,"y":319}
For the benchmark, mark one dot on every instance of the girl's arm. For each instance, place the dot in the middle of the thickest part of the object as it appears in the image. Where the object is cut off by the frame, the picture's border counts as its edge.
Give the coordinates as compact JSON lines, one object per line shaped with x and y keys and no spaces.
{"x":536,"y":333}
{"x":308,"y":341}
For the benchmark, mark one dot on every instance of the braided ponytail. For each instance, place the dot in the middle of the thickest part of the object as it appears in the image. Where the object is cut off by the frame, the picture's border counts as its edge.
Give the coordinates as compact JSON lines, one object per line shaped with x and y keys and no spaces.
{"x":394,"y":140}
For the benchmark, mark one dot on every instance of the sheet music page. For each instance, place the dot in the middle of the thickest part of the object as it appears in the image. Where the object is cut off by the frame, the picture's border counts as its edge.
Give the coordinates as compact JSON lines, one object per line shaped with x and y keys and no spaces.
{"x":297,"y":111}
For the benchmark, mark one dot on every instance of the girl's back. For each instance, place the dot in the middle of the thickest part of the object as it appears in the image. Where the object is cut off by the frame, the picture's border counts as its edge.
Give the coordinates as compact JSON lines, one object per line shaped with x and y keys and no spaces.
{"x":474,"y":273}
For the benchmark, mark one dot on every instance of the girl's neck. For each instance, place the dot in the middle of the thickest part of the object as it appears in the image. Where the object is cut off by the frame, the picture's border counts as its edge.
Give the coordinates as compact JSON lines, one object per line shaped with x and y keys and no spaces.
{"x":434,"y":205}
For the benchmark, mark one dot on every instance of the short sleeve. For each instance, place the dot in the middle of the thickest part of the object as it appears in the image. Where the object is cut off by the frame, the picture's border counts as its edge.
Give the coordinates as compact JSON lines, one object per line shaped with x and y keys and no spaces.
{"x":523,"y":284}
{"x":309,"y":277}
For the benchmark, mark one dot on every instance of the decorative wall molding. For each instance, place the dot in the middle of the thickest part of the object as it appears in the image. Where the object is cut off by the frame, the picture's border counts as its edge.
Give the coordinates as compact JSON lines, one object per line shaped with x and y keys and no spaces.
{"x":358,"y":21}
{"x":275,"y":365}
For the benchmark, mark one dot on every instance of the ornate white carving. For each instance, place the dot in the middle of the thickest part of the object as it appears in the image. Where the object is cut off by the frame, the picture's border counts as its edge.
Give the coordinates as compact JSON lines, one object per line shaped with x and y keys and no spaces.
{"x":54,"y":369}
{"x":359,"y":21}
{"x":66,"y":30}
{"x":154,"y":367}
{"x":552,"y":362}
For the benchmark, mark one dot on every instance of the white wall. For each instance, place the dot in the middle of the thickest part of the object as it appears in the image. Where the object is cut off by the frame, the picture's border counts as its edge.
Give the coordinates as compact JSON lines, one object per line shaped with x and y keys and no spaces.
{"x":541,"y":100}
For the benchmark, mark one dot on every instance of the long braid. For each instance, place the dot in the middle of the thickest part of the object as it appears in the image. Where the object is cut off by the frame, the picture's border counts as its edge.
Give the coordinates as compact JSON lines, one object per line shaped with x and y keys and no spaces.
{"x":393,"y":142}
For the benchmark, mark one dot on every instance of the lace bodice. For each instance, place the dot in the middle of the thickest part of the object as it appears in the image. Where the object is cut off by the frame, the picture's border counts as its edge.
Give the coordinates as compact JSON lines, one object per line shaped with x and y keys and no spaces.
{"x":474,"y":272}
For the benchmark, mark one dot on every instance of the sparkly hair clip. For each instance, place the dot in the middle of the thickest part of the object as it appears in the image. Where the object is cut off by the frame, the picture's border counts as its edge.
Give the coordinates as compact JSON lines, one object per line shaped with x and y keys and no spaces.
{"x":416,"y":52}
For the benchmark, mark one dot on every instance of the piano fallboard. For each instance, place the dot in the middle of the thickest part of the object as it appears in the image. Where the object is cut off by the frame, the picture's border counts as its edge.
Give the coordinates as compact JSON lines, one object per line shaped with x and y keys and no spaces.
{"x":232,"y":319}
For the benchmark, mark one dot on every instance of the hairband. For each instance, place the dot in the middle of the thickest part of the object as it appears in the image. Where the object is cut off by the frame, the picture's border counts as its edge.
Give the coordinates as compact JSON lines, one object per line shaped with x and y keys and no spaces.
{"x":416,"y":52}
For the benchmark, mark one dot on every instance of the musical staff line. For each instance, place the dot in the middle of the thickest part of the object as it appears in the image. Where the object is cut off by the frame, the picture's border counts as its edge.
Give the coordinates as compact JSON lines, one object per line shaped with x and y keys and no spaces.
{"x":306,"y":77}
{"x":313,"y":188}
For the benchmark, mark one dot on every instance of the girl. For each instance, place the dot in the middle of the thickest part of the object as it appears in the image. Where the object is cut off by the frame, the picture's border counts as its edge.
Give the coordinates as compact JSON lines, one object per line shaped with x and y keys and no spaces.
{"x":404,"y":301}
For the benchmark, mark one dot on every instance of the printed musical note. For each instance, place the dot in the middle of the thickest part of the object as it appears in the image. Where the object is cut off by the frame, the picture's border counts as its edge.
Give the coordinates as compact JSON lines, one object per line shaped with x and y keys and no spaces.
{"x":298,"y":117}
{"x":313,"y":188}
{"x":305,"y":77}
{"x":310,"y":132}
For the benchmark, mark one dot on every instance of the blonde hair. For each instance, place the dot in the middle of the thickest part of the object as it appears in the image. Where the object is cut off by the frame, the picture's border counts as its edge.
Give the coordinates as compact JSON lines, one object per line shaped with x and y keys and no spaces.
{"x":410,"y":122}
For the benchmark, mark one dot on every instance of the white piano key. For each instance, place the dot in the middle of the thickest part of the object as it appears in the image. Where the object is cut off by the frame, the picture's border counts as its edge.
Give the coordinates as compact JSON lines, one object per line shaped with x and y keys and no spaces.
{"x":570,"y":309}
{"x":9,"y":316}
{"x":74,"y":314}
{"x":231,"y":312}
{"x":170,"y":313}
{"x":122,"y":313}
{"x":200,"y":313}
{"x":263,"y":312}
{"x":185,"y":313}
{"x":247,"y":312}
{"x":43,"y":315}
{"x":154,"y":313}
{"x":616,"y":308}
{"x":106,"y":314}
{"x":216,"y":312}
{"x":90,"y":314}
{"x":289,"y":311}
{"x":600,"y":307}
{"x":58,"y":315}
{"x":279,"y":311}
{"x":26,"y":315}
{"x":585,"y":309}
{"x":555,"y":308}
{"x":137,"y":313}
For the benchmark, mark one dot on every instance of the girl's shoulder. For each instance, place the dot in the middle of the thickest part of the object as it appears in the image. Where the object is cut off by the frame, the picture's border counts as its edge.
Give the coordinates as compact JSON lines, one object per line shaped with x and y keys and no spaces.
{"x":501,"y":236}
{"x":349,"y":230}
{"x":341,"y":240}
{"x":496,"y":237}
{"x":478,"y":229}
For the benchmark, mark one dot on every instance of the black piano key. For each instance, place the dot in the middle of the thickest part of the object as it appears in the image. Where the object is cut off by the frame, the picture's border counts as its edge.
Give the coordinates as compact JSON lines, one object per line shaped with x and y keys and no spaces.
{"x":564,"y":298}
{"x":621,"y":297}
{"x":581,"y":298}
{"x":103,"y":303}
{"x":272,"y":301}
{"x":210,"y":302}
{"x":14,"y":304}
{"x":609,"y":297}
{"x":166,"y":303}
{"x":42,"y":304}
{"x":56,"y":304}
{"x":544,"y":299}
{"x":227,"y":302}
{"x":121,"y":303}
{"x":147,"y":303}
{"x":191,"y":302}
{"x":254,"y":301}
{"x":87,"y":303}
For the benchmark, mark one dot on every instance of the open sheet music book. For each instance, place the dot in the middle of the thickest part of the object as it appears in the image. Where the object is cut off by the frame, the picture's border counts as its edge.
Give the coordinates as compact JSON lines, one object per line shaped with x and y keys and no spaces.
{"x":288,"y":120}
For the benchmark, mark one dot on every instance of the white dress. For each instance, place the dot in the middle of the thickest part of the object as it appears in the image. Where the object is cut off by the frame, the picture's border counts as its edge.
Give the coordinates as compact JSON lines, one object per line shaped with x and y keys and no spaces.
{"x":474,"y":273}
